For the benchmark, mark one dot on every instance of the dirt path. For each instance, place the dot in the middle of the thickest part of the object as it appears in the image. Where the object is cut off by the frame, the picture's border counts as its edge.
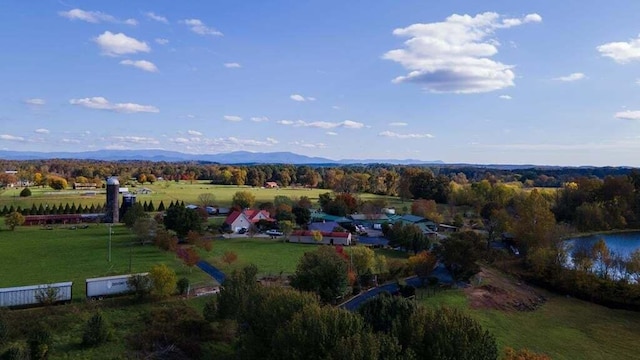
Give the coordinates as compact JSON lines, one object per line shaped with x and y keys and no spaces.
{"x":498,"y":291}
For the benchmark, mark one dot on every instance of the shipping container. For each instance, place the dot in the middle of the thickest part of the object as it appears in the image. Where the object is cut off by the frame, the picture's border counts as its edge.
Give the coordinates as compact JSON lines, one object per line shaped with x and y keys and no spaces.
{"x":23,"y":296}
{"x":97,"y":288}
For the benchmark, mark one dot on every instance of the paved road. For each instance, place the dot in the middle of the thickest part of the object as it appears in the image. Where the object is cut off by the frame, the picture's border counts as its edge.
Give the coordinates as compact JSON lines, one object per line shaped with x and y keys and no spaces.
{"x":354,"y":303}
{"x":214,"y":272}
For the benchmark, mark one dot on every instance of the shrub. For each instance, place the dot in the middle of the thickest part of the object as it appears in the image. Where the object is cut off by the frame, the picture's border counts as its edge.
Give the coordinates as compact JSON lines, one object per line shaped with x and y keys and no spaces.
{"x":163,"y":281}
{"x":97,"y":331}
{"x":183,"y":286}
{"x":140,"y":285}
{"x":25,"y":192}
{"x":40,"y":342}
{"x":47,"y":296}
{"x":16,"y":351}
{"x":4,"y":332}
{"x":210,"y":311}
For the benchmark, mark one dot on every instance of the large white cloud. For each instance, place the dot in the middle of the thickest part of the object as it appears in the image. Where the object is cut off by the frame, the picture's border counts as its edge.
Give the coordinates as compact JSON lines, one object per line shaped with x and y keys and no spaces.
{"x":454,"y":56}
{"x":120,"y":44}
{"x":348,"y":124}
{"x":392,"y":134}
{"x":100,"y":103}
{"x":628,"y":115}
{"x":94,"y":17}
{"x":621,"y":52}
{"x":140,"y":64}
{"x":198,"y":27}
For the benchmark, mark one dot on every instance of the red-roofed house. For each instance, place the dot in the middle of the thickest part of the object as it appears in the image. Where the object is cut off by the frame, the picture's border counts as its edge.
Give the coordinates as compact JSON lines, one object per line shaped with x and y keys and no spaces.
{"x":328,"y":238}
{"x":238,"y":220}
{"x":256,"y":215}
{"x":271,"y":185}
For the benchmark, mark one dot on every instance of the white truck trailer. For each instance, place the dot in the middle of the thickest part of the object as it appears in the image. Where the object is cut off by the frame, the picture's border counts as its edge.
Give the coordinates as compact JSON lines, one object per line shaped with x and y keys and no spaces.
{"x":98,"y":288}
{"x":23,"y":296}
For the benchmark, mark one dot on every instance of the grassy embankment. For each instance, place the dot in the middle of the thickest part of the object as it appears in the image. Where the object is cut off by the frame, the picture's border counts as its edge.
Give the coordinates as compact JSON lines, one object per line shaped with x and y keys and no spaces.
{"x":564,"y":328}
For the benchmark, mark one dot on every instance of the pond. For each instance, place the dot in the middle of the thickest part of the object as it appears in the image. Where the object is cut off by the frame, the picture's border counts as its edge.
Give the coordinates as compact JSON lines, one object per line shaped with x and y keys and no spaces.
{"x":620,"y":243}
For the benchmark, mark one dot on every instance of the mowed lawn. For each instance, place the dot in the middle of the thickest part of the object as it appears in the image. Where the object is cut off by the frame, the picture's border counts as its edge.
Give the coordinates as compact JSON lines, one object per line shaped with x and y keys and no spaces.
{"x":168,"y":191}
{"x":272,"y":257}
{"x":563,"y":328}
{"x":32,"y":255}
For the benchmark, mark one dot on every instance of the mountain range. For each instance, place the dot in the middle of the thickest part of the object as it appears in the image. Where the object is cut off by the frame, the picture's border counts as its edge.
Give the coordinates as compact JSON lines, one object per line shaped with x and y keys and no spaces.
{"x":236,"y":157}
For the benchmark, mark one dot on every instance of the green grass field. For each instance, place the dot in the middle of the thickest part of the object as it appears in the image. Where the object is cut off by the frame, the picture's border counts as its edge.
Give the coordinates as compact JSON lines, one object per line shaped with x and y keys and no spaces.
{"x":272,"y":257}
{"x":32,"y":255}
{"x":167,"y":191}
{"x":563,"y":328}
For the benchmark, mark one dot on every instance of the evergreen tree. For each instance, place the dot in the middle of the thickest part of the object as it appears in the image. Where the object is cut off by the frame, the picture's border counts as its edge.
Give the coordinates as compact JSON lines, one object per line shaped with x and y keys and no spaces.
{"x":5,"y":211}
{"x":72,"y":209}
{"x":145,"y":206}
{"x":161,"y":206}
{"x":34,"y":210}
{"x":151,"y":208}
{"x":41,"y":210}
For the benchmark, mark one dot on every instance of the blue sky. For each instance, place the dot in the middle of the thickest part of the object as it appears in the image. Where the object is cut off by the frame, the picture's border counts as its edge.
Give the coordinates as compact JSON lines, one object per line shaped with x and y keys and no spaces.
{"x":539,"y":82}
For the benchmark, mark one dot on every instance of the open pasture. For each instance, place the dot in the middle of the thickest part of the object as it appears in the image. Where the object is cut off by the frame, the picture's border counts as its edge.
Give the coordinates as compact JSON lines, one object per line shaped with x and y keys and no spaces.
{"x":168,"y":191}
{"x":33,"y":255}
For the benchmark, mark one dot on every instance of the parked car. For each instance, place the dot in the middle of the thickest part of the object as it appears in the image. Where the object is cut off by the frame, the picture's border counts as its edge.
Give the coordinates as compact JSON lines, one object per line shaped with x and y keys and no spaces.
{"x":273,"y":232}
{"x":242,"y":231}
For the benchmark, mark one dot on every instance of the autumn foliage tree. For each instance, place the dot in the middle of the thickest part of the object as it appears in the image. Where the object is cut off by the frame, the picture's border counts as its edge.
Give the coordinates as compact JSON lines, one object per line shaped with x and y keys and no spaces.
{"x":13,"y":220}
{"x":229,"y":257}
{"x":422,"y":264}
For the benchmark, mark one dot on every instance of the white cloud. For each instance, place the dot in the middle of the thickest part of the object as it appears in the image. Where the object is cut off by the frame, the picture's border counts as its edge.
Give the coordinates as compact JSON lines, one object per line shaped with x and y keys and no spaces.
{"x":571,"y":77}
{"x":159,"y":18}
{"x":454,"y":56}
{"x":198,"y":27}
{"x":351,"y":124}
{"x":335,"y":107}
{"x":120,"y":44}
{"x":70,"y":141}
{"x":638,"y":81}
{"x":100,"y":103}
{"x":161,"y":41}
{"x":136,"y":140}
{"x":259,"y":119}
{"x":405,"y":136}
{"x":628,"y":115}
{"x":348,"y":124}
{"x":180,"y":140}
{"x":398,"y":124}
{"x":41,"y":131}
{"x":140,"y":64}
{"x":300,"y":98}
{"x":331,"y":133}
{"x":233,"y":118}
{"x":35,"y":101}
{"x":272,"y":140}
{"x":505,"y":97}
{"x":304,"y":144}
{"x":194,"y":133}
{"x":232,"y":65}
{"x":8,"y":137}
{"x":94,"y":17}
{"x":621,"y":52}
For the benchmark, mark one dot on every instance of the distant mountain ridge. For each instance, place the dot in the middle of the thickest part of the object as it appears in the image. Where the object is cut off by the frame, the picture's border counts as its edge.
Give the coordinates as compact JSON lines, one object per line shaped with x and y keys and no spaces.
{"x":235,"y":157}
